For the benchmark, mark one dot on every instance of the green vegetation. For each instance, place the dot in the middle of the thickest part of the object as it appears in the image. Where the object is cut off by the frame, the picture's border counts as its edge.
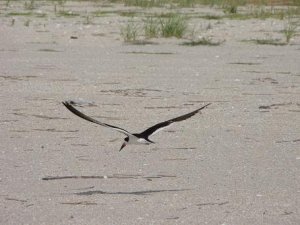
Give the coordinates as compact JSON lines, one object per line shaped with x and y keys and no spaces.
{"x":7,"y":3}
{"x":174,"y":26}
{"x":186,"y":3}
{"x":264,"y":13}
{"x":59,"y":2}
{"x":29,"y":5}
{"x":228,"y":5}
{"x":290,"y":30}
{"x":231,"y":6}
{"x":170,"y":21}
{"x":130,"y":31}
{"x":151,"y":27}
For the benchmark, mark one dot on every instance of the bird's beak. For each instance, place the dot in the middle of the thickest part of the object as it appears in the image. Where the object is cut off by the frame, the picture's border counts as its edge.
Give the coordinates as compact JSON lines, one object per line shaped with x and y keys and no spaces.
{"x":123,"y":145}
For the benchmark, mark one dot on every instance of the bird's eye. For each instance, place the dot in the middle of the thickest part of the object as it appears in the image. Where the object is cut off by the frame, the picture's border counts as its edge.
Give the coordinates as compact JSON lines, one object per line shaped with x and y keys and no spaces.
{"x":126,"y":139}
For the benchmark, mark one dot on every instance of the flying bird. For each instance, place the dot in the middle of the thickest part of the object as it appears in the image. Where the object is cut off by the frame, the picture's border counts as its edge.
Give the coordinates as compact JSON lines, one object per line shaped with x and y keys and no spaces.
{"x":135,"y":138}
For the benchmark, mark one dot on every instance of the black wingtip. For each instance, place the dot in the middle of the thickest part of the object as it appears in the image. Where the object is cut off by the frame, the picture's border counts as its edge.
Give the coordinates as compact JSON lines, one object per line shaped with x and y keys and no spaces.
{"x":67,"y":103}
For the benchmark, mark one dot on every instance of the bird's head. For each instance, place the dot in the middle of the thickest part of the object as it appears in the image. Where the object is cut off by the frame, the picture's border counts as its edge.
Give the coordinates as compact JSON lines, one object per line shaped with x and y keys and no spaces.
{"x":126,"y":140}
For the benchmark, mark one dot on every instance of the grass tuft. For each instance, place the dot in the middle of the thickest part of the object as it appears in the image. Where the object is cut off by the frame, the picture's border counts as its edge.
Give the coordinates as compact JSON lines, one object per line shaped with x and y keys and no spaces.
{"x":290,"y":30}
{"x":174,"y":26}
{"x":186,"y":3}
{"x":29,"y":5}
{"x":152,"y":28}
{"x":7,"y":3}
{"x":130,"y":31}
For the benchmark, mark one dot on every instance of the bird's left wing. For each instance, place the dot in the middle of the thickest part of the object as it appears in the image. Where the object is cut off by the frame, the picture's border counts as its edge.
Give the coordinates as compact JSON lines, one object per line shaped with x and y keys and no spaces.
{"x":157,"y":127}
{"x":83,"y":116}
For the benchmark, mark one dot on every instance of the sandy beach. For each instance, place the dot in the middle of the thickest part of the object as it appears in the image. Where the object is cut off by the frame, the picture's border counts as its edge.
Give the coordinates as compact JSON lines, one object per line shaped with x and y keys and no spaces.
{"x":236,"y":163}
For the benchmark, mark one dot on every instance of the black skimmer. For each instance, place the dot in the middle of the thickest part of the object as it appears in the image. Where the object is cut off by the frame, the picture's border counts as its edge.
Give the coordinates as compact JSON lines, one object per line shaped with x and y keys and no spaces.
{"x":135,"y":138}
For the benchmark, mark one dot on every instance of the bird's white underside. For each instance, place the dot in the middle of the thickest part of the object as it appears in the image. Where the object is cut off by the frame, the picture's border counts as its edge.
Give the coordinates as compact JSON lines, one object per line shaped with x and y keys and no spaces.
{"x":133,"y":140}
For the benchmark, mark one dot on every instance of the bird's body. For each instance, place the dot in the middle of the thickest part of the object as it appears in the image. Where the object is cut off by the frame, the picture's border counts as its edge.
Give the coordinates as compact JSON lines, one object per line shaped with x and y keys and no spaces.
{"x":135,"y":138}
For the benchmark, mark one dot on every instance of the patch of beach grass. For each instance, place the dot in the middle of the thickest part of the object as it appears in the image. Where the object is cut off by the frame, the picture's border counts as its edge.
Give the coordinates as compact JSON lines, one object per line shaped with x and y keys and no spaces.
{"x":7,"y":3}
{"x":231,"y":6}
{"x":174,"y":26}
{"x":179,"y":3}
{"x":29,"y":5}
{"x":186,"y":3}
{"x":59,"y":2}
{"x":290,"y":29}
{"x":261,"y":12}
{"x":152,"y":27}
{"x":130,"y":31}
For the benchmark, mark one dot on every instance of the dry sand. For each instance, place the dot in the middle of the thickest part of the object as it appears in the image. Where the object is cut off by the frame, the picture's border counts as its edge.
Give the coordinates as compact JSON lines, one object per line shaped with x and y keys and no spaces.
{"x":236,"y":163}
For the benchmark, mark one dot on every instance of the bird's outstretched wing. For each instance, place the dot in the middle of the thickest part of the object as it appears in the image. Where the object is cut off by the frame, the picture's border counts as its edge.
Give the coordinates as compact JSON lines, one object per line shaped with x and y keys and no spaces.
{"x":157,"y":127}
{"x":83,"y":116}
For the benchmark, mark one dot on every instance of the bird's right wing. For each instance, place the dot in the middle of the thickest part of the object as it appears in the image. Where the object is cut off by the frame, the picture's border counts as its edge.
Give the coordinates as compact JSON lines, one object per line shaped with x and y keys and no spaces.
{"x":83,"y":116}
{"x":158,"y":127}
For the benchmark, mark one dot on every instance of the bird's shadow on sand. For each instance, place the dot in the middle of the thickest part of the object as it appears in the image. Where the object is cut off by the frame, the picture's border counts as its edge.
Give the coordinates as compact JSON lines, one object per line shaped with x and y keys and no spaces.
{"x":146,"y":192}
